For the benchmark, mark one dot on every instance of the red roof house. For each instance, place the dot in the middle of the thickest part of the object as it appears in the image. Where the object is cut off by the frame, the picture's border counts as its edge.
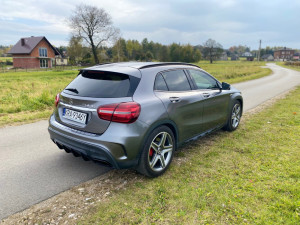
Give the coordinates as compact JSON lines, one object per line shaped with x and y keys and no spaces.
{"x":33,"y":52}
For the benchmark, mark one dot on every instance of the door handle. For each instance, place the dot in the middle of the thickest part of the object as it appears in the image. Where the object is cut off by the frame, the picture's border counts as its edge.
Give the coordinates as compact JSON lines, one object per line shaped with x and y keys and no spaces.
{"x":206,"y":95}
{"x":174,"y":99}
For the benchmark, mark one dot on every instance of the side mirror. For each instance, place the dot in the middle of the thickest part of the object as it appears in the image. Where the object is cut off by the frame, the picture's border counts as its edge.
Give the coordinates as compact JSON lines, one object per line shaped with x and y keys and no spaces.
{"x":225,"y":86}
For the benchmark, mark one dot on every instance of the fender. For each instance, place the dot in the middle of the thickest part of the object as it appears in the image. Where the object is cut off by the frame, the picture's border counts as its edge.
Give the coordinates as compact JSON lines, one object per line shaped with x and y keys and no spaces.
{"x":167,"y":122}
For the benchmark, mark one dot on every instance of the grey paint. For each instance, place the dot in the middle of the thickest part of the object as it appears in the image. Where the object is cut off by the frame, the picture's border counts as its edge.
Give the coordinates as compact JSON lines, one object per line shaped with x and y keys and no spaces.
{"x":126,"y":140}
{"x":33,"y":169}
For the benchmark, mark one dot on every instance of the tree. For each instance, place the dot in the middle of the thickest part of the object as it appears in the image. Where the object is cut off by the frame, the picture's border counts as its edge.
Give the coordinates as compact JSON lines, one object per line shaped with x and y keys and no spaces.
{"x":94,"y":25}
{"x":75,"y":49}
{"x":212,"y":50}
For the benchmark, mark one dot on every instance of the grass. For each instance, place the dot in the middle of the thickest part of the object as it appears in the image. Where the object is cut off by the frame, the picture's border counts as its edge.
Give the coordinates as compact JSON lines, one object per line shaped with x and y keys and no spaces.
{"x":235,"y":71}
{"x":4,"y":59}
{"x":283,"y":64}
{"x":29,"y":96}
{"x":250,"y":176}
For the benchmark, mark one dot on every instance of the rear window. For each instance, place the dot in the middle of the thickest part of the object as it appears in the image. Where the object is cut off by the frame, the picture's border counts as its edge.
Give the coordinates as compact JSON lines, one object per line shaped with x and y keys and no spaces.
{"x":102,"y":85}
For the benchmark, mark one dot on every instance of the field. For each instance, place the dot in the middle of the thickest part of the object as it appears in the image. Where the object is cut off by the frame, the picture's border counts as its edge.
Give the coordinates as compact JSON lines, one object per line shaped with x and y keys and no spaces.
{"x":29,"y":96}
{"x":296,"y":65}
{"x":235,"y":71}
{"x":4,"y":59}
{"x":250,"y":176}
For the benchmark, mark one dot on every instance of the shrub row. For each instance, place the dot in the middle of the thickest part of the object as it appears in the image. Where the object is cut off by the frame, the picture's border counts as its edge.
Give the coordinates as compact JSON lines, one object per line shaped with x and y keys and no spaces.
{"x":292,"y":63}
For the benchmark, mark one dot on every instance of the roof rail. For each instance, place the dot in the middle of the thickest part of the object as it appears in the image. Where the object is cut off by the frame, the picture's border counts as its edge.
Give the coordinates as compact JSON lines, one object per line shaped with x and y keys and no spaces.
{"x":167,"y":64}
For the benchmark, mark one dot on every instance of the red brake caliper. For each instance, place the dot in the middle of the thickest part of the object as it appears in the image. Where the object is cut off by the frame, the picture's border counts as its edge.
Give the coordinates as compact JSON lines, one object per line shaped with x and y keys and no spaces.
{"x":151,"y":152}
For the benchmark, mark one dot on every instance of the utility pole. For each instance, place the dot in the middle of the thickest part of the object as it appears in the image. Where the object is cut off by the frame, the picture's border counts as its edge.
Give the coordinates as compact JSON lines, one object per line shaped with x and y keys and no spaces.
{"x":258,"y":55}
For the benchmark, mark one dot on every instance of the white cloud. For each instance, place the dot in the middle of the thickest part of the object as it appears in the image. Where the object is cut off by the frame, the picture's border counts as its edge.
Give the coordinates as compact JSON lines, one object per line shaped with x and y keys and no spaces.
{"x":230,"y":22}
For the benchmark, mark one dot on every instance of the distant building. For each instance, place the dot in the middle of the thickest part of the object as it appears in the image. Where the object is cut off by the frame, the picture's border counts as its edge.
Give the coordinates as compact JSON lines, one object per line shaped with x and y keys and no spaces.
{"x":33,"y":52}
{"x":61,"y":61}
{"x":284,"y":54}
{"x":247,"y":54}
{"x":224,"y":56}
{"x":268,"y":57}
{"x":296,"y":56}
{"x":234,"y":57}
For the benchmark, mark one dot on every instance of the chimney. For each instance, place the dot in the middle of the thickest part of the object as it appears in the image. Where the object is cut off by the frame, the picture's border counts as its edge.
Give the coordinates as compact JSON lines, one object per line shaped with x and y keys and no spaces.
{"x":22,"y":41}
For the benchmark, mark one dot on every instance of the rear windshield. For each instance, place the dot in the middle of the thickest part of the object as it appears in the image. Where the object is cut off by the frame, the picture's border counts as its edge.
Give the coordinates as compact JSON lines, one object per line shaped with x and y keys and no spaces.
{"x":100,"y":85}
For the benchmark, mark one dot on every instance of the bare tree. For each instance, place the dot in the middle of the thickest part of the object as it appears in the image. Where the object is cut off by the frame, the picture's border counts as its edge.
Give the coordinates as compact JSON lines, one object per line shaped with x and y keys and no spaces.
{"x":94,"y":25}
{"x":212,"y":49}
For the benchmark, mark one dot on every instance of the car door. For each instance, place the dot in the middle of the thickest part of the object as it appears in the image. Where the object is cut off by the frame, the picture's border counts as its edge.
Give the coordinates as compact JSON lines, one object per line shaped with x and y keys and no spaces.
{"x":183,"y":104}
{"x":216,"y":101}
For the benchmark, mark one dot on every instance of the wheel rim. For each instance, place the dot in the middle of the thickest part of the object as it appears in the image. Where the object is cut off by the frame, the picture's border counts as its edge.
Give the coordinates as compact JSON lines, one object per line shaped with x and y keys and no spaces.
{"x":236,"y":115}
{"x":160,"y":151}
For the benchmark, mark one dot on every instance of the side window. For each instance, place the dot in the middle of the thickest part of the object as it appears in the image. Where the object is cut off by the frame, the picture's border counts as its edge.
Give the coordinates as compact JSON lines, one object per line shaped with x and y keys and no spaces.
{"x":202,"y":80}
{"x":176,"y":80}
{"x":160,"y":84}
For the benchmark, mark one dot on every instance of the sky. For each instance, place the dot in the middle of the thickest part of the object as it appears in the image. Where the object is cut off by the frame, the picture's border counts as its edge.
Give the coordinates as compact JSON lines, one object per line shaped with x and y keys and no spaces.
{"x":229,"y":22}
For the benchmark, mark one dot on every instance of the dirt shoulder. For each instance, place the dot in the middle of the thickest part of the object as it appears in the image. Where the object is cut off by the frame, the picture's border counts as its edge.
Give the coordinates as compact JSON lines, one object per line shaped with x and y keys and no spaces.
{"x":70,"y":206}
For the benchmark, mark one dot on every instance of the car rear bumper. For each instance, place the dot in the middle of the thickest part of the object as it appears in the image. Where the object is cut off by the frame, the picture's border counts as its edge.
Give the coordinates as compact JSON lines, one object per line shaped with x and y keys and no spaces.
{"x":121,"y":152}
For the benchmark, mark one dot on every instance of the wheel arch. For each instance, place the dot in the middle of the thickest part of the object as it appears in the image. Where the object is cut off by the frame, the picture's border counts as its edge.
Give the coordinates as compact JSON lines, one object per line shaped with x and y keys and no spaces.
{"x":169,"y":123}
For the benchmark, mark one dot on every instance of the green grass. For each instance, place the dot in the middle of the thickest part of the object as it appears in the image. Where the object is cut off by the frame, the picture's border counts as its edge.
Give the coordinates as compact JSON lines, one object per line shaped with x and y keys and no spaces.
{"x":4,"y":59}
{"x":29,"y":96}
{"x":235,"y":71}
{"x":250,"y":176}
{"x":283,"y":64}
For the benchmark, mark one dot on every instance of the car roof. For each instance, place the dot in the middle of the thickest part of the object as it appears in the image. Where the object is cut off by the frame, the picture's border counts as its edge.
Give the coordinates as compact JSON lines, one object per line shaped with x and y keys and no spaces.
{"x":133,"y":68}
{"x":141,"y":65}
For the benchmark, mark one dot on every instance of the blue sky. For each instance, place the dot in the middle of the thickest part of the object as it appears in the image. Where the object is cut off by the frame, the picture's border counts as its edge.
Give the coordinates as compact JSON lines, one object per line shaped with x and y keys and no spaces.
{"x":229,"y":22}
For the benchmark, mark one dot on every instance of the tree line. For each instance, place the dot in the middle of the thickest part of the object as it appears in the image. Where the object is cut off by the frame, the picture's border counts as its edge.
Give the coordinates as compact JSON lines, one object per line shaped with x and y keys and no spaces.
{"x":132,"y":50}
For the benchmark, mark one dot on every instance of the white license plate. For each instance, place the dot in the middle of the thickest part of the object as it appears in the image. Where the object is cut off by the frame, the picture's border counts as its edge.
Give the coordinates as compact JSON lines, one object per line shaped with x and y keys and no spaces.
{"x":74,"y":115}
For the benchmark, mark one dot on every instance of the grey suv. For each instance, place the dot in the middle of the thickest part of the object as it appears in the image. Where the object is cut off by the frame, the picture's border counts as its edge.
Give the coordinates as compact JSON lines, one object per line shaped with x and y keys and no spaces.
{"x":135,"y":114}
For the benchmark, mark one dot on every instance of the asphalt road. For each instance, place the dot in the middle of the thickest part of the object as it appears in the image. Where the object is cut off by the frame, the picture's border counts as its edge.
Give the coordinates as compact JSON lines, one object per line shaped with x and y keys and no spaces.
{"x":33,"y":169}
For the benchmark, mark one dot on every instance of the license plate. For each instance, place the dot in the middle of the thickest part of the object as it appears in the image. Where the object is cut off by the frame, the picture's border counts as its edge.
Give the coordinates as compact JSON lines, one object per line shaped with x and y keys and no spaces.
{"x":74,"y":115}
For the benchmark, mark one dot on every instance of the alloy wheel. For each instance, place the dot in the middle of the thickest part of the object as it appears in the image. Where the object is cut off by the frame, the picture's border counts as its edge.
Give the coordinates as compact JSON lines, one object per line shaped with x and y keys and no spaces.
{"x":236,"y":115}
{"x":160,"y":151}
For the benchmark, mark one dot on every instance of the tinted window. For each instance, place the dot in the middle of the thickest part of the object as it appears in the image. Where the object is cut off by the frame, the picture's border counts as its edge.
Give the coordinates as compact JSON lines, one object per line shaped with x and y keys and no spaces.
{"x":202,"y":80}
{"x":99,"y":85}
{"x":176,"y":80}
{"x":160,"y":83}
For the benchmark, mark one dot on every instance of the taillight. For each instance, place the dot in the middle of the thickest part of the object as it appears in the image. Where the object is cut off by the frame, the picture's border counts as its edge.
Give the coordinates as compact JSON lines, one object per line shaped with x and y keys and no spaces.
{"x":126,"y":112}
{"x":56,"y":100}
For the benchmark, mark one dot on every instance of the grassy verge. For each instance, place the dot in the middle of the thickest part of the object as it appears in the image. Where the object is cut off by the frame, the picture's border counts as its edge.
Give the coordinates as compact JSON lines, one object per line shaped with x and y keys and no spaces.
{"x":235,"y":71}
{"x":29,"y":96}
{"x":283,"y":64}
{"x":250,"y":176}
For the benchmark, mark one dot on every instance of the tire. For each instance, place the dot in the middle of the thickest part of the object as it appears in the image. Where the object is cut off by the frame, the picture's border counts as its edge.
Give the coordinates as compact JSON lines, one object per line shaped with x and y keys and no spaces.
{"x":157,"y":152}
{"x":234,"y":117}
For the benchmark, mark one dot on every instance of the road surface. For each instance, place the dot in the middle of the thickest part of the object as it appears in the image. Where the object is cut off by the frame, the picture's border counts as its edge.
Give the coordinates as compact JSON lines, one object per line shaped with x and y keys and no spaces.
{"x":33,"y":169}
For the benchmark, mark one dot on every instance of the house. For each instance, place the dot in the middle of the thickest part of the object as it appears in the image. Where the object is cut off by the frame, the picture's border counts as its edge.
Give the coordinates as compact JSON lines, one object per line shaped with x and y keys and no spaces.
{"x":234,"y":57}
{"x":284,"y":54}
{"x":33,"y":52}
{"x":267,"y":57}
{"x":247,"y":54}
{"x":296,"y":56}
{"x":224,"y":56}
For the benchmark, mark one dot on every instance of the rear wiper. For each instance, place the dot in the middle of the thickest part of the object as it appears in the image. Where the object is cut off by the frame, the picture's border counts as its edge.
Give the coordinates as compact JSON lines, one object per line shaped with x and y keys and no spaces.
{"x":73,"y":90}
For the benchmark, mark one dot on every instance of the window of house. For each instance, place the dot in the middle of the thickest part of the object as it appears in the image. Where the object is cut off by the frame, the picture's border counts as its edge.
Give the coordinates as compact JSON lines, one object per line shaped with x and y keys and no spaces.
{"x":43,"y":63}
{"x":43,"y":52}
